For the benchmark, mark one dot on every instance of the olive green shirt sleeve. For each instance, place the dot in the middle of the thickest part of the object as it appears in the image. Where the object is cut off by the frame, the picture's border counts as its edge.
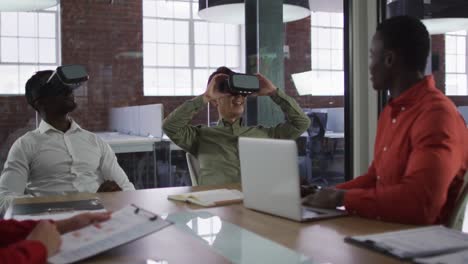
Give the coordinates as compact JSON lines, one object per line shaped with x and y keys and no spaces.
{"x":178,"y":128}
{"x":296,"y":122}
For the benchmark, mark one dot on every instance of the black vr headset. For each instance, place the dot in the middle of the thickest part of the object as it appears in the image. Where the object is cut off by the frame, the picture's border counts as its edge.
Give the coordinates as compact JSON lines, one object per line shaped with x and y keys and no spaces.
{"x":63,"y":80}
{"x":238,"y":83}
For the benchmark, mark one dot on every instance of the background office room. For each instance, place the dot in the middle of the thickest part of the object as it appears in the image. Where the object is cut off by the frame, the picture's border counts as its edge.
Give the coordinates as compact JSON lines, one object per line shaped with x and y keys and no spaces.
{"x":145,"y":58}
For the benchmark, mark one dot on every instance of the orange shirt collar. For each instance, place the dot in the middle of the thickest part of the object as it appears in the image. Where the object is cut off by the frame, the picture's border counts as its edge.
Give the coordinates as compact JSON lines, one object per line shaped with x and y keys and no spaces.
{"x":414,"y":94}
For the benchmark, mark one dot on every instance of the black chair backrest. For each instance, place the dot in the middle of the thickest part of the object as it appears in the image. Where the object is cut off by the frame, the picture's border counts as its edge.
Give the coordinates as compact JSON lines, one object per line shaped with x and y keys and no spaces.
{"x":318,"y":123}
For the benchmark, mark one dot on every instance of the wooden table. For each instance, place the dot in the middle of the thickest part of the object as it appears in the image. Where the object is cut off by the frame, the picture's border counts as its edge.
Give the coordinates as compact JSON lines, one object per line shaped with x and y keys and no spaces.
{"x":320,"y":240}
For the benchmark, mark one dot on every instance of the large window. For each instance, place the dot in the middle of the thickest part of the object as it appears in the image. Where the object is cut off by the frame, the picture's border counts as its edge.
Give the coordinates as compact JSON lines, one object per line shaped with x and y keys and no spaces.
{"x":455,"y":63}
{"x":180,"y":50}
{"x":327,"y":53}
{"x":29,"y":41}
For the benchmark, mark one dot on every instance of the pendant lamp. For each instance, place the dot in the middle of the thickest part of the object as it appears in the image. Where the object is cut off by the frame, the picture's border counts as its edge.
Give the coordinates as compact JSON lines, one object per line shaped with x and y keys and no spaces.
{"x":232,"y":11}
{"x":439,"y":16}
{"x":26,"y":5}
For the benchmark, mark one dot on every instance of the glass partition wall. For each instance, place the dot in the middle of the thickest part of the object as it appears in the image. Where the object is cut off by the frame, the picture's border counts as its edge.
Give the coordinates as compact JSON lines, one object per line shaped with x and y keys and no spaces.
{"x":29,"y":41}
{"x":447,"y":60}
{"x":315,"y":77}
{"x":149,"y":52}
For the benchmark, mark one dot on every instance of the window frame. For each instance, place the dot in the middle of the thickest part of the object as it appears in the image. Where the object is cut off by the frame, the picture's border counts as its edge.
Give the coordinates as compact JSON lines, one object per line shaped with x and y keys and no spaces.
{"x":191,"y":53}
{"x":39,"y":66}
{"x":463,"y":34}
{"x":331,"y":70}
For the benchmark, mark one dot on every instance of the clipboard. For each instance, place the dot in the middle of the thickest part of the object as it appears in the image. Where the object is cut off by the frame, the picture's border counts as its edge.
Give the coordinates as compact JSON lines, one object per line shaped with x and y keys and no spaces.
{"x":56,"y":207}
{"x":126,"y":225}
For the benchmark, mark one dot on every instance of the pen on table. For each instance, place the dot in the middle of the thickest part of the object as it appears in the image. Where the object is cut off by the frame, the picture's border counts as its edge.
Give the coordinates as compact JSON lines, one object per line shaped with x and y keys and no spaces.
{"x":138,"y":209}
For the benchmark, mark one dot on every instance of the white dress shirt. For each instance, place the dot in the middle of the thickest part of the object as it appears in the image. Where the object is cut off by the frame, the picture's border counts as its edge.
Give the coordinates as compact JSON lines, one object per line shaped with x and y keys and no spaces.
{"x":47,"y":161}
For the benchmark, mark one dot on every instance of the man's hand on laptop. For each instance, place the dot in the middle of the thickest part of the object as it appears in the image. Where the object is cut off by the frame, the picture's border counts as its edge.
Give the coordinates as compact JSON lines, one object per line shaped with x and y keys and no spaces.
{"x":109,"y":186}
{"x":328,"y":198}
{"x":309,"y":189}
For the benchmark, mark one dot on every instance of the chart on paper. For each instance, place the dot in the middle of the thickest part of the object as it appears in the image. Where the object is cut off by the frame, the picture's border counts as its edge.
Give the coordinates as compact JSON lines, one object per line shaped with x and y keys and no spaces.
{"x":124,"y":226}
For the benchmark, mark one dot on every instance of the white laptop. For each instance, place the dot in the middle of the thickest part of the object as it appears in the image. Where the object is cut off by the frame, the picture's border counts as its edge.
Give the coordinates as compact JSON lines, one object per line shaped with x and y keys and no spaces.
{"x":271,"y":182}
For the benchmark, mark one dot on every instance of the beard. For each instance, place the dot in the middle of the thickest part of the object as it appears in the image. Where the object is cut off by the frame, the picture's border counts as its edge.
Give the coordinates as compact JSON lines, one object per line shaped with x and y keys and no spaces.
{"x":69,"y":107}
{"x":61,"y":108}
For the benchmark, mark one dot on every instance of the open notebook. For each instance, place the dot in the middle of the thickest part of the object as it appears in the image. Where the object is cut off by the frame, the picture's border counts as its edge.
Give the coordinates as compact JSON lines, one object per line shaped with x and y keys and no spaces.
{"x":210,"y":198}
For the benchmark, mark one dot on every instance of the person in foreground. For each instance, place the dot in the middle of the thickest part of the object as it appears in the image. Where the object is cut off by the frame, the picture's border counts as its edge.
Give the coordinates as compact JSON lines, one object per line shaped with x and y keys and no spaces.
{"x":33,"y":242}
{"x":420,"y":154}
{"x":217,"y":147}
{"x":59,"y":157}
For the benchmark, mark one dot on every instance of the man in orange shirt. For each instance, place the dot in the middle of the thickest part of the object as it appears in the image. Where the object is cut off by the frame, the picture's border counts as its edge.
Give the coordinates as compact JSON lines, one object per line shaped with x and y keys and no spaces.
{"x":421,"y":152}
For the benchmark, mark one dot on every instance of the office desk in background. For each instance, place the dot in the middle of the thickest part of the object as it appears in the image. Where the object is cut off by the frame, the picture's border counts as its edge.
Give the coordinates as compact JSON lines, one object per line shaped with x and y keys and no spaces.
{"x":332,"y":139}
{"x":160,"y":148}
{"x":334,"y":135}
{"x":328,"y":134}
{"x":122,"y":143}
{"x":323,"y":241}
{"x":321,"y":158}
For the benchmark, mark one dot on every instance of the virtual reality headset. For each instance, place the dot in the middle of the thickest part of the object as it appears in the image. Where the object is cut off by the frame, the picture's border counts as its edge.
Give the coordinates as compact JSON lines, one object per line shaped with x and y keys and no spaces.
{"x":238,"y":83}
{"x":65,"y":78}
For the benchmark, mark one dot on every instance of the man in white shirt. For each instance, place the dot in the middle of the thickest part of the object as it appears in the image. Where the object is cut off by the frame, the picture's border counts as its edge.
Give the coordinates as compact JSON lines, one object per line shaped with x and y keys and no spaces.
{"x":59,"y":157}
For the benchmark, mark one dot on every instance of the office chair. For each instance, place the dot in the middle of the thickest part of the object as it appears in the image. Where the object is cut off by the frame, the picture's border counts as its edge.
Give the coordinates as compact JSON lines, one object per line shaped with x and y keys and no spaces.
{"x":316,"y":134}
{"x":318,"y":123}
{"x":458,"y":214}
{"x":193,"y":167}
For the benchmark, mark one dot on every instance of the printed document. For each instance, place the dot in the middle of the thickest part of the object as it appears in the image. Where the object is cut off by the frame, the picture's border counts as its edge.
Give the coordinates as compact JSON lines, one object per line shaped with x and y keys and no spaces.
{"x":125,"y":225}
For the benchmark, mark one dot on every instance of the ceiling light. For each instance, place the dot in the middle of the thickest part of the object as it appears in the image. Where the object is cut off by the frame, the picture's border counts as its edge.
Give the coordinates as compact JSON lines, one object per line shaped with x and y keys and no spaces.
{"x":439,"y":16}
{"x":232,"y":11}
{"x":26,"y":5}
{"x":443,"y":25}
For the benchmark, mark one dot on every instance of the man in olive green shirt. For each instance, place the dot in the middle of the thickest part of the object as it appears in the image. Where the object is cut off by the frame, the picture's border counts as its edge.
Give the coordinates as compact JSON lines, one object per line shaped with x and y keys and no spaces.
{"x":217,"y":147}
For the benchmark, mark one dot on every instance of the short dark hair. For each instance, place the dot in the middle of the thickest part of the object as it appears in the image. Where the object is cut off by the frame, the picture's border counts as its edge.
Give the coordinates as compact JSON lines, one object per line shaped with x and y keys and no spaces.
{"x":34,"y":84}
{"x":222,"y":69}
{"x":408,"y":37}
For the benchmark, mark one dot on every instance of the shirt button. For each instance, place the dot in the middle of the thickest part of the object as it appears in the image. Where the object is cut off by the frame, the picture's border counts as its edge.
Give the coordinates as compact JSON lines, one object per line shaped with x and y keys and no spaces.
{"x":385,"y":148}
{"x":394,"y":120}
{"x":403,"y":108}
{"x":378,"y":177}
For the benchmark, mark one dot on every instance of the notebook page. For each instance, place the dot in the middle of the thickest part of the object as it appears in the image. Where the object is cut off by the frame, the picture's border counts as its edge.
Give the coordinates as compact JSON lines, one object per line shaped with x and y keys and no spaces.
{"x":213,"y":196}
{"x":184,"y":196}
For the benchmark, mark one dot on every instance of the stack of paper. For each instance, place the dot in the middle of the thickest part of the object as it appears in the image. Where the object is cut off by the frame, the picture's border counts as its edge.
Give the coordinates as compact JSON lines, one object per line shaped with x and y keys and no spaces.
{"x":416,"y":244}
{"x":460,"y":257}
